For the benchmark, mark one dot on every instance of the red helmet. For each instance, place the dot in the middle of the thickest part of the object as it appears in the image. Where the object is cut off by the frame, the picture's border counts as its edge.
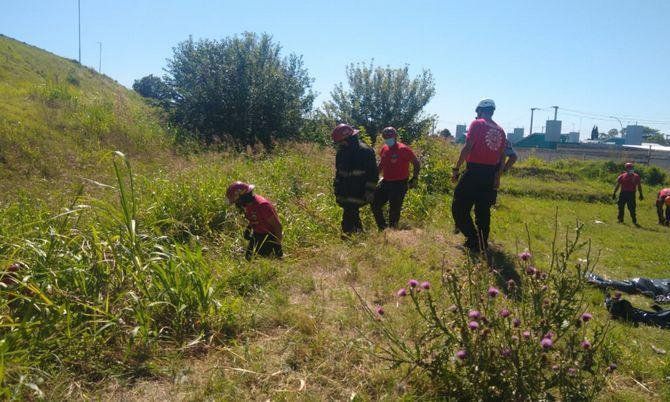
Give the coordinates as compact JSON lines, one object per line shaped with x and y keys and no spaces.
{"x":389,"y":132}
{"x":342,"y":132}
{"x":628,"y":165}
{"x":238,"y":189}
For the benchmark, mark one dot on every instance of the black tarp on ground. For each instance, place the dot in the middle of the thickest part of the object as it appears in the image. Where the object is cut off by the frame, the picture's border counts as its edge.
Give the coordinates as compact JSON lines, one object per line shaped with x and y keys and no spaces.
{"x":622,"y":309}
{"x":658,"y":289}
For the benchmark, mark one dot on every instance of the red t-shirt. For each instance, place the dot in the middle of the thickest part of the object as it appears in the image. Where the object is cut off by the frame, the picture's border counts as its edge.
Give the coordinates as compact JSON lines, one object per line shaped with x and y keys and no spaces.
{"x":259,"y":214}
{"x":488,"y":142}
{"x":664,"y":193}
{"x":628,"y":181}
{"x":395,"y":161}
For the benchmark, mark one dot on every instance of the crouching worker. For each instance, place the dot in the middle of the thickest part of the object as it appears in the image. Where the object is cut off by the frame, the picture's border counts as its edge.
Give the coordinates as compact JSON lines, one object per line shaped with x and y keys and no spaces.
{"x":663,"y":199}
{"x":264,"y":231}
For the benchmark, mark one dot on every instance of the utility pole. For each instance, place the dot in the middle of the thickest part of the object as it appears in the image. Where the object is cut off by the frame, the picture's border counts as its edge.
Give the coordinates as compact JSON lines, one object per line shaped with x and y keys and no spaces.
{"x":555,"y":112}
{"x":532,"y":111}
{"x":100,"y":59}
{"x":79,"y":26}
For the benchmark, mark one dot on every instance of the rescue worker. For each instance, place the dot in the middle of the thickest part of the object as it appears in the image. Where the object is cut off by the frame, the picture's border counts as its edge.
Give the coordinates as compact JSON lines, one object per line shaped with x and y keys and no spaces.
{"x":483,"y":152}
{"x":663,"y":199}
{"x":355,"y":176}
{"x":628,"y":181}
{"x":395,"y":158}
{"x":264,"y":231}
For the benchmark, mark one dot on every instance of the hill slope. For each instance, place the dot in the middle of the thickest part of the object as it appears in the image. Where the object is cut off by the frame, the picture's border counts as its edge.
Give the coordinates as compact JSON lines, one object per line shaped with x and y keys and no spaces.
{"x":57,"y":116}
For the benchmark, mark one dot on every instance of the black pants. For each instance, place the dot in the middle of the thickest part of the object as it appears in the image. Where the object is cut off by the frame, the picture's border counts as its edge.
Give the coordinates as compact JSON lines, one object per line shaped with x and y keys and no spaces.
{"x":627,"y":198}
{"x":263,"y":244}
{"x":659,"y":211}
{"x":475,"y":188}
{"x":393,"y":193}
{"x":351,"y":218}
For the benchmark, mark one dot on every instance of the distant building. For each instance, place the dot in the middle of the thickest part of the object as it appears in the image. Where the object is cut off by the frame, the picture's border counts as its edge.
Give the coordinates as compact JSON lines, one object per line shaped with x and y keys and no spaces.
{"x":633,"y":135}
{"x":553,"y":132}
{"x":573,"y":137}
{"x":515,"y":136}
{"x":460,"y":132}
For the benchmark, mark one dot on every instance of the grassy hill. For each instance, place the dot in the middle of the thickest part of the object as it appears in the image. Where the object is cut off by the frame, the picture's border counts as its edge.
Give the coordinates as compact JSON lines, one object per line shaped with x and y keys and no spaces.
{"x":139,"y":290}
{"x":59,"y":120}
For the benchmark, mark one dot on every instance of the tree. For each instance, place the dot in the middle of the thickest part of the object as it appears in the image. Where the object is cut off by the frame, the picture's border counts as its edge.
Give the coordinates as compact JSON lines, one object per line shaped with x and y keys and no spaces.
{"x":594,"y":133}
{"x":238,"y":88}
{"x":609,"y":135}
{"x":654,"y":135}
{"x":380,"y":97}
{"x":445,"y":133}
{"x":153,"y":87}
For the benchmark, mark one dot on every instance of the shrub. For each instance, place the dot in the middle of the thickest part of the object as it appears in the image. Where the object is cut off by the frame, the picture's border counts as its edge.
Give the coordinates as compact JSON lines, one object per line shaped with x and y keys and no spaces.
{"x":474,"y":343}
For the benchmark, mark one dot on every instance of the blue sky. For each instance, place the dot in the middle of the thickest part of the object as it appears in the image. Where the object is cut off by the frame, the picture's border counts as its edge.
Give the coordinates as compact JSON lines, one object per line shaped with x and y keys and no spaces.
{"x":592,"y":58}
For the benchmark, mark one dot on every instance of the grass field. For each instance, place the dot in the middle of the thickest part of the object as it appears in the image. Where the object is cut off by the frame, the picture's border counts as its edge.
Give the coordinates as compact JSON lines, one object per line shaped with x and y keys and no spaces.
{"x":133,"y":284}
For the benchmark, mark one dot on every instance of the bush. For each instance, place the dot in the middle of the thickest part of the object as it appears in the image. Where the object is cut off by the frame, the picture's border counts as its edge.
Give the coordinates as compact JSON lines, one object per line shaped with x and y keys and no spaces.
{"x":473,"y":342}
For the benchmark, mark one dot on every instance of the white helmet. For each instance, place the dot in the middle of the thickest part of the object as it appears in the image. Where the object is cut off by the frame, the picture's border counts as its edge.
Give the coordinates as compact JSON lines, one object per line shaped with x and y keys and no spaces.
{"x":486,"y":103}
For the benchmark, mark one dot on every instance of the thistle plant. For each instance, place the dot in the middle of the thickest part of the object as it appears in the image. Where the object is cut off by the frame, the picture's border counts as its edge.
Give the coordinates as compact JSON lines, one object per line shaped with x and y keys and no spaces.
{"x":529,"y":340}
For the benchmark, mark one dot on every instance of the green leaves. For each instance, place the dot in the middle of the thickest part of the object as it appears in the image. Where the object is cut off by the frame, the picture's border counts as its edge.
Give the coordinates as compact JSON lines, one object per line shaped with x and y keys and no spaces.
{"x":380,"y":97}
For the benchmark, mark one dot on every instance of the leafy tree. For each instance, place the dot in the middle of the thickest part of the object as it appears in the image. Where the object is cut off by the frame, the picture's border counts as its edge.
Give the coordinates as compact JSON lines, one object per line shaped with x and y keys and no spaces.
{"x":594,"y":133}
{"x":610,"y":134}
{"x":239,"y":88}
{"x":654,"y":135}
{"x":445,"y":133}
{"x":380,"y":97}
{"x":153,"y":87}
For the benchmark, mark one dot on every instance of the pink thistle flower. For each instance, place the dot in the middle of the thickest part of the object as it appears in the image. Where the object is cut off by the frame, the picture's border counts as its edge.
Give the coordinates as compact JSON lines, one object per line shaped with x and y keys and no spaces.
{"x":546,"y":343}
{"x":526,"y":334}
{"x":452,"y":308}
{"x":525,"y":256}
{"x":379,"y":310}
{"x":555,"y":367}
{"x":531,"y":271}
{"x":474,"y":314}
{"x":504,"y":313}
{"x":549,"y":335}
{"x":462,"y":354}
{"x":511,"y":284}
{"x":493,"y":292}
{"x":586,"y":317}
{"x":515,"y":338}
{"x":413,"y":283}
{"x":402,"y":292}
{"x":612,"y":367}
{"x":506,"y":352}
{"x":585,"y":344}
{"x":425,"y":285}
{"x":572,"y":371}
{"x":516,"y":323}
{"x":544,"y":288}
{"x":473,"y":325}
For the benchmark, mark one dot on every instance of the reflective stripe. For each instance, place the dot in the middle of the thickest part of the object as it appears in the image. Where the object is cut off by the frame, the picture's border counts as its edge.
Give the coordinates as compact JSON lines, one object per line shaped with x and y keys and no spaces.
{"x":350,"y":174}
{"x":350,"y":200}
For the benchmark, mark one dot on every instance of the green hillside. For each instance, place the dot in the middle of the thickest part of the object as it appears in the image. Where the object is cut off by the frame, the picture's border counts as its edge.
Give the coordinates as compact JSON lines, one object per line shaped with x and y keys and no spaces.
{"x":58,"y":119}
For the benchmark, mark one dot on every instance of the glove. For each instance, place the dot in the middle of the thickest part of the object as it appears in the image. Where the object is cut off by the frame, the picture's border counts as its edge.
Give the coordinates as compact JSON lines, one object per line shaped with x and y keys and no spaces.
{"x":413,"y":183}
{"x":247,"y":233}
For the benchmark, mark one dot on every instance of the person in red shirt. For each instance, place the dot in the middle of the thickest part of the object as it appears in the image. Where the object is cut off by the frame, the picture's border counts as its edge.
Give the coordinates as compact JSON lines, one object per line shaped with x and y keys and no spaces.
{"x":264,"y":231}
{"x":628,"y":181}
{"x":395,"y":158}
{"x":483,"y":154}
{"x":663,"y":199}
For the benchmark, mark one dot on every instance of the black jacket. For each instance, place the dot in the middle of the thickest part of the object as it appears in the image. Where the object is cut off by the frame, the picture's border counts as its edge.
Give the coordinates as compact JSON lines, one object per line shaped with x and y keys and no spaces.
{"x":356,"y":173}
